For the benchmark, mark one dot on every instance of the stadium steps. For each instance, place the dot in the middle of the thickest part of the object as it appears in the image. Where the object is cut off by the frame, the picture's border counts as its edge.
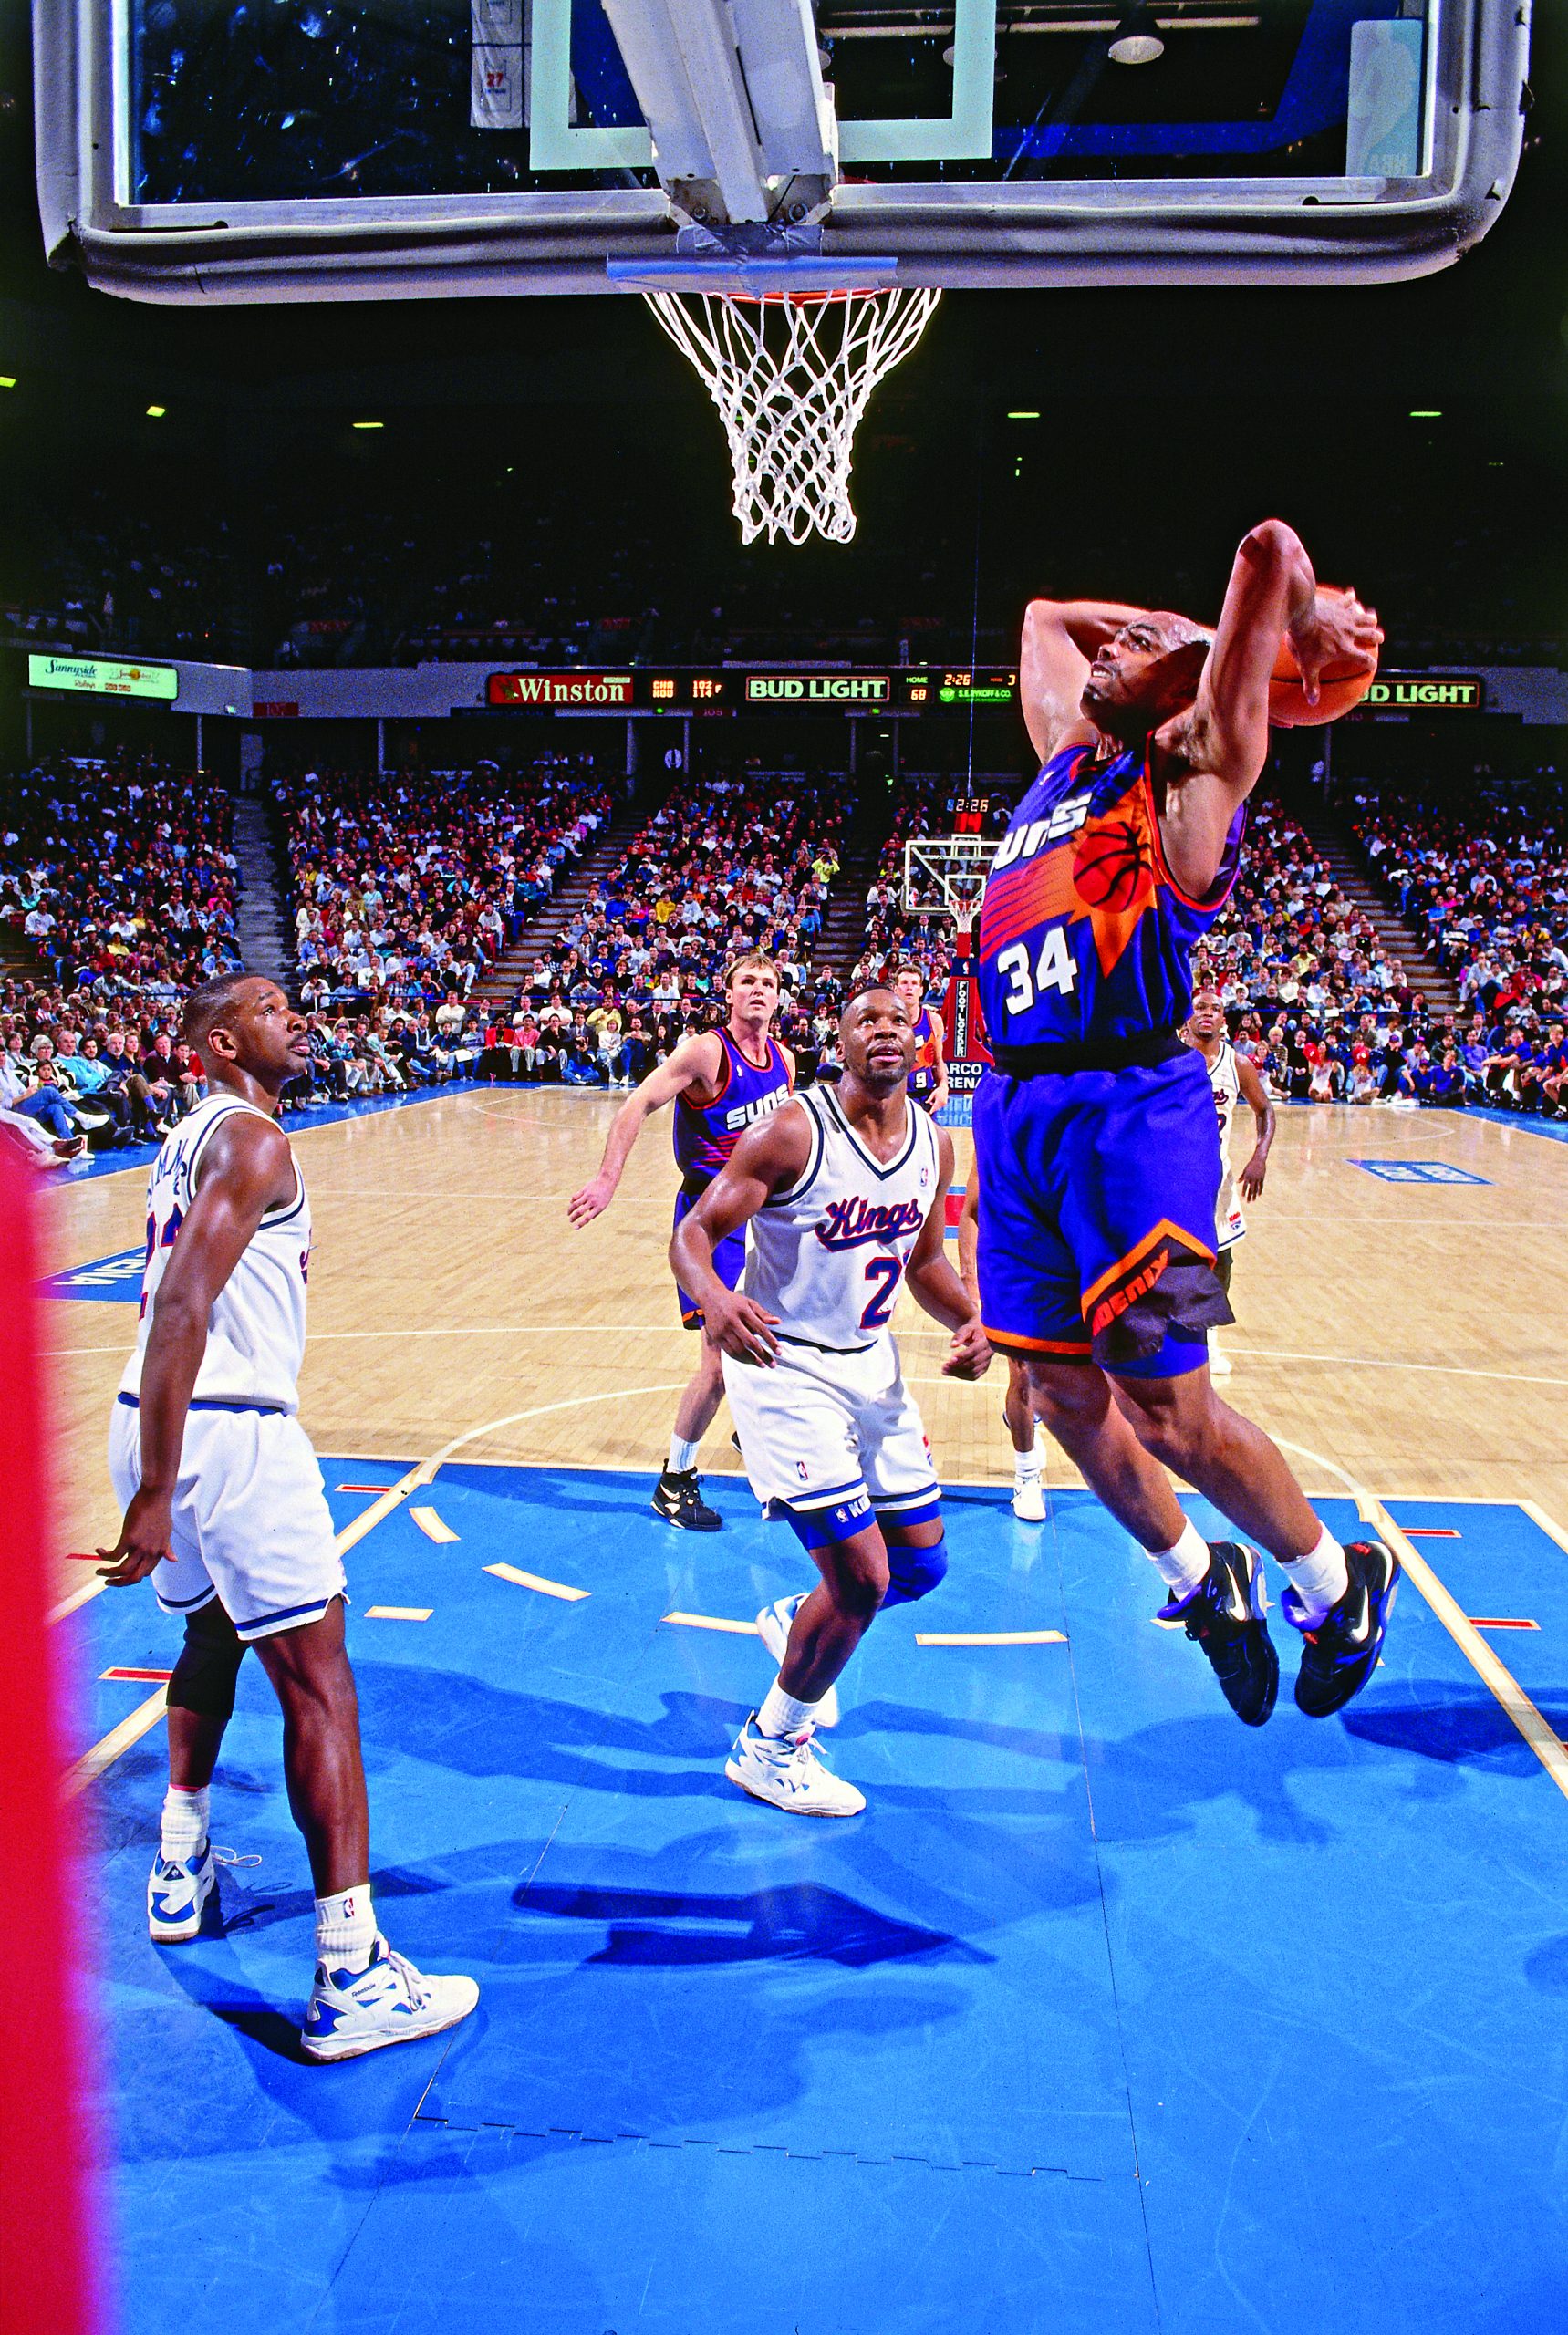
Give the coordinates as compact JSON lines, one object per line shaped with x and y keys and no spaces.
{"x":843,"y":935}
{"x":502,"y":982}
{"x":1399,"y":942}
{"x":19,"y":961}
{"x":261,"y":917}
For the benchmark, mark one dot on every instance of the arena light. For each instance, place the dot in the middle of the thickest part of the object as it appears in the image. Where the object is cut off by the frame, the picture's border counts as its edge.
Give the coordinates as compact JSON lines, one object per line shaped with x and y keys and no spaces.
{"x":1426,"y":413}
{"x":7,"y":381}
{"x":1023,"y":415}
{"x":369,"y":425}
{"x":156,"y":413}
{"x":1138,"y":40}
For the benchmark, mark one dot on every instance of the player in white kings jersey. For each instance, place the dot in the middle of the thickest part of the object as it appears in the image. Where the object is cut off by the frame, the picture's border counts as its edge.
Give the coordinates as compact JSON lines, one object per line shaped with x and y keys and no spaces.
{"x":842,"y":1190}
{"x":223,"y":1509}
{"x":1232,"y":1079}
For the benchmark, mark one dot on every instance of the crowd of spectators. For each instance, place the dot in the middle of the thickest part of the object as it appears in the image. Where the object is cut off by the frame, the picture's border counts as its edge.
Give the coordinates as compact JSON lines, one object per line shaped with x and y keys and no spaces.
{"x":121,"y":875}
{"x":727,"y":863}
{"x":1487,"y":889}
{"x":405,"y":888}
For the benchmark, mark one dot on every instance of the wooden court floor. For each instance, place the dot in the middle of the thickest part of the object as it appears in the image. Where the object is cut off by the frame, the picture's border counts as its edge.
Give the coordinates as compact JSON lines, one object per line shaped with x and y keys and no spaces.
{"x":1410,"y":1335}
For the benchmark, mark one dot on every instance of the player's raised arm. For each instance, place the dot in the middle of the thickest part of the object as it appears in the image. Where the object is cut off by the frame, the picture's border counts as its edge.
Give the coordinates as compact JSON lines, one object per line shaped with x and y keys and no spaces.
{"x":768,"y":1159}
{"x":1209,"y":758}
{"x":1255,"y":1094}
{"x":697,"y":1060}
{"x":247,"y":1169}
{"x":1060,"y":637}
{"x":937,"y":1289}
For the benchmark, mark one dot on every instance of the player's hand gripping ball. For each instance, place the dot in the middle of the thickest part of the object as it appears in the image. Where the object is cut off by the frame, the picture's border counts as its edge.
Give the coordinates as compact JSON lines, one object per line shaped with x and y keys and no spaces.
{"x":1337,"y":647}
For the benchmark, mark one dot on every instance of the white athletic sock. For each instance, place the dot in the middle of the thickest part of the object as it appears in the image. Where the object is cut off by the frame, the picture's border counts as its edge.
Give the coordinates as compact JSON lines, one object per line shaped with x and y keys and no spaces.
{"x":183,"y":1825}
{"x":345,"y":1929}
{"x":682,"y":1456}
{"x":1182,"y":1568}
{"x":1319,"y":1579}
{"x":783,"y":1714}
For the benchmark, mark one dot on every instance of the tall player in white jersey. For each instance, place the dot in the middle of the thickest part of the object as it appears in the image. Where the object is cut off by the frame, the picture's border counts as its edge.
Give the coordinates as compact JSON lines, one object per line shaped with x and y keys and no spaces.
{"x":223,"y":1509}
{"x":842,"y":1193}
{"x":1232,"y":1079}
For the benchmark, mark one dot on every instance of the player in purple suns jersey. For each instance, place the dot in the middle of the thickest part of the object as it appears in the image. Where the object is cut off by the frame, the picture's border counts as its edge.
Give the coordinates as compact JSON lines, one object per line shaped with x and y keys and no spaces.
{"x":721,"y":1082}
{"x":1095,"y":1135}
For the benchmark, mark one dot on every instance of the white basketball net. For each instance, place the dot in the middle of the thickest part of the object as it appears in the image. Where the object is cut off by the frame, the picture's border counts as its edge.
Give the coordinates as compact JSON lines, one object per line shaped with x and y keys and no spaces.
{"x":791,"y":375}
{"x":945,"y":875}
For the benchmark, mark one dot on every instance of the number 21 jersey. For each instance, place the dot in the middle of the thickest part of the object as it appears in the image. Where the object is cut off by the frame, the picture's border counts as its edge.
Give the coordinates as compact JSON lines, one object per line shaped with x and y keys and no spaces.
{"x":1085,"y":934}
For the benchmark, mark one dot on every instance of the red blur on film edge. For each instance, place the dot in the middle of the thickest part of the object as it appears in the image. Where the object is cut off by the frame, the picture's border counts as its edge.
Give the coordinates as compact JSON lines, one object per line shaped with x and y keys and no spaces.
{"x":48,"y":2284}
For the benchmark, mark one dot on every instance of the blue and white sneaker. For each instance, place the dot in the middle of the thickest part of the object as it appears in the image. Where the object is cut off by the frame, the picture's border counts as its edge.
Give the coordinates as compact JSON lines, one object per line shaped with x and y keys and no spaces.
{"x":773,"y":1623}
{"x":789,"y":1772}
{"x":354,"y":2012}
{"x":177,"y":1889}
{"x":1340,"y":1653}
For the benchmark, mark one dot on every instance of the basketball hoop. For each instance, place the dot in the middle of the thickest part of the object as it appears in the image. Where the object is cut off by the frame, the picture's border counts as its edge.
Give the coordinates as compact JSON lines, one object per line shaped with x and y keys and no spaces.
{"x":791,"y":374}
{"x":945,"y":875}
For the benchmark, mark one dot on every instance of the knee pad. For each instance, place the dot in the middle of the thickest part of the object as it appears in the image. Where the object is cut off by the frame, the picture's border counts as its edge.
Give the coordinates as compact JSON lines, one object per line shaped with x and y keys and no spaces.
{"x":208,"y":1664}
{"x":914,"y":1573}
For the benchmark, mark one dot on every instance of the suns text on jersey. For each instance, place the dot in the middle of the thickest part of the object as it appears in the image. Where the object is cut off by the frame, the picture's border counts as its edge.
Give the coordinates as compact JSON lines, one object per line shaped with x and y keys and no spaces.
{"x":1023,"y":842}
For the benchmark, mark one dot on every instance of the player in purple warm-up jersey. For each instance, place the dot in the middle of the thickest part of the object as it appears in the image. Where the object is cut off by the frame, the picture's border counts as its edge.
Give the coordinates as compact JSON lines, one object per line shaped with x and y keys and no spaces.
{"x":721,"y":1082}
{"x":1096,"y":1138}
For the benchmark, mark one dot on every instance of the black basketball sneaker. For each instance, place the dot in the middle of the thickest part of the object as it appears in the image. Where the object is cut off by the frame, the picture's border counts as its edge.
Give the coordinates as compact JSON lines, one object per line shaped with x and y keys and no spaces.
{"x":1225,"y":1614}
{"x":1340,"y":1653}
{"x":677,"y":1497}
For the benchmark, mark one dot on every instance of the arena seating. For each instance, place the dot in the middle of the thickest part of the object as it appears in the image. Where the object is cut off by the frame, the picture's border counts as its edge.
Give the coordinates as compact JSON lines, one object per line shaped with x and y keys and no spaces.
{"x":1488,"y":884}
{"x":727,"y":863}
{"x":119,"y":879}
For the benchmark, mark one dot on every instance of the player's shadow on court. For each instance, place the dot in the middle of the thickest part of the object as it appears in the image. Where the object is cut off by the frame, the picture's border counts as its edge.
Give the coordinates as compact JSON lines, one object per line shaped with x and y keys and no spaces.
{"x":801,"y":1922}
{"x":474,"y":1728}
{"x":1436,"y":1725}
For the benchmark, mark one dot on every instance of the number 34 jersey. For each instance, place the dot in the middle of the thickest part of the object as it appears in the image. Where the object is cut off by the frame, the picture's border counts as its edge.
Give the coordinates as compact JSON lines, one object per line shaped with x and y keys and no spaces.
{"x":1083,"y":933}
{"x":827,"y":1254}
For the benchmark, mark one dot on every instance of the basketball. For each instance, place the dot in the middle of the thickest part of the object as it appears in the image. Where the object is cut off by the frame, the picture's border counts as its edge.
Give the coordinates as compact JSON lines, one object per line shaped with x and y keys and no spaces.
{"x":1341,"y":684}
{"x":1110,"y":865}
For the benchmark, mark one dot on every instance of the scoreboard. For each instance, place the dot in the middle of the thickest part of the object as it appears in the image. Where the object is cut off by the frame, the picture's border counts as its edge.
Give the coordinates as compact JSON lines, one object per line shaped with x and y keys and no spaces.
{"x":736,"y":689}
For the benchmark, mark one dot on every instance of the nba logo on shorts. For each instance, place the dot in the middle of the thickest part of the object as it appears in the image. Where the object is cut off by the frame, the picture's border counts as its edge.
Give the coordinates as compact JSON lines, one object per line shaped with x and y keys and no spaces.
{"x":802,"y":1470}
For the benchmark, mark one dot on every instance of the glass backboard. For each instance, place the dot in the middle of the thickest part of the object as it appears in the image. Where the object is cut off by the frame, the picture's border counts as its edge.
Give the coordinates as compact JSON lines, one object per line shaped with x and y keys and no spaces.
{"x":194,"y":151}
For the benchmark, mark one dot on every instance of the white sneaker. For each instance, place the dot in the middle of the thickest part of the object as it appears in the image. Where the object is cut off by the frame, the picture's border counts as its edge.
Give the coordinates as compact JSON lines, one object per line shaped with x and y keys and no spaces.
{"x":177,"y":1889}
{"x":774,"y":1627}
{"x":390,"y":2001}
{"x":1220,"y":1363}
{"x":790,"y":1771}
{"x":1029,"y":1500}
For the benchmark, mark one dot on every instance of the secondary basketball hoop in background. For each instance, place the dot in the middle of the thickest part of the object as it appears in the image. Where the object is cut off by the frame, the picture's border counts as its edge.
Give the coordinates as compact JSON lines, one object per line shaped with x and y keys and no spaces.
{"x":944,"y":876}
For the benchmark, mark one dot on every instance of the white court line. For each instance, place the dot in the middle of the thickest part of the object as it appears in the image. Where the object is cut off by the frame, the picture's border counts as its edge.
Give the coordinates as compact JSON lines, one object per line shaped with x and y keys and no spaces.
{"x":1541,"y":1738}
{"x":990,"y":1638}
{"x":432,"y":1525}
{"x":536,"y":1581}
{"x":1553,"y":1530}
{"x":713,"y":1622}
